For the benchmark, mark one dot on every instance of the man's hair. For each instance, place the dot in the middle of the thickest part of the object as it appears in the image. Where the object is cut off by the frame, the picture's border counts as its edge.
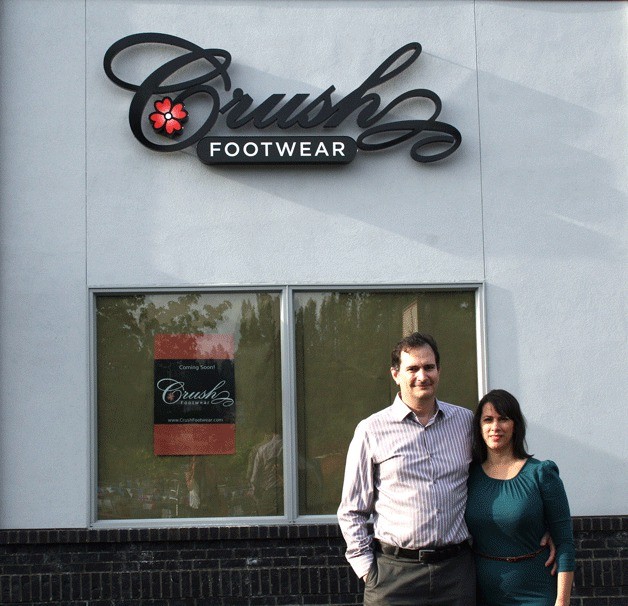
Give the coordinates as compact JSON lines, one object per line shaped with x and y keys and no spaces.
{"x":416,"y":339}
{"x":507,"y":405}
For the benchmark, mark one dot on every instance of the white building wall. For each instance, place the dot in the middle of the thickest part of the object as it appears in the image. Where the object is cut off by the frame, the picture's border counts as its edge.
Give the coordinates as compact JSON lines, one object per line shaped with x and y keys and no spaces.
{"x":44,"y":405}
{"x":533,"y":204}
{"x":553,"y":98}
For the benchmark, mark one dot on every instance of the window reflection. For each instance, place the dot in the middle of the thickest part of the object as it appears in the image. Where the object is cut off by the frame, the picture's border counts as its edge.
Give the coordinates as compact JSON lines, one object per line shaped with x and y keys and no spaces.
{"x":134,"y":483}
{"x":343,"y":344}
{"x":342,"y":357}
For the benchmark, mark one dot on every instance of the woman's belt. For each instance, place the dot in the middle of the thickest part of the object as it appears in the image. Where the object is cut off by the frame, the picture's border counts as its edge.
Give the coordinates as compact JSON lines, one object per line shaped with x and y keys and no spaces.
{"x":527,"y":556}
{"x":424,"y":555}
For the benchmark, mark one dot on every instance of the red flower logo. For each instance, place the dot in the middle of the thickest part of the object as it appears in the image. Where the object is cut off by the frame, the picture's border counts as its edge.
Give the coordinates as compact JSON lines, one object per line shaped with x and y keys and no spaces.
{"x":168,"y":117}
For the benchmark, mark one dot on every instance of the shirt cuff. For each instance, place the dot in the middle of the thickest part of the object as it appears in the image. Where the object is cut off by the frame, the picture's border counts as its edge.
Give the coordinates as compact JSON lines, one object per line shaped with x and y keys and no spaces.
{"x":362,"y":564}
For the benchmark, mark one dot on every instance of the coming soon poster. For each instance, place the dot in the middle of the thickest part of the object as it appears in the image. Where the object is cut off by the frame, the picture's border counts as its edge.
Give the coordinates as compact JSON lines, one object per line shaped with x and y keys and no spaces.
{"x":194,"y":394}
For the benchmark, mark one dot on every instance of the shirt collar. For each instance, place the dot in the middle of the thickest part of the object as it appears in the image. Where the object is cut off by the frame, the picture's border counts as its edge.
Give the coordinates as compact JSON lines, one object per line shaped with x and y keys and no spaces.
{"x":400,"y":411}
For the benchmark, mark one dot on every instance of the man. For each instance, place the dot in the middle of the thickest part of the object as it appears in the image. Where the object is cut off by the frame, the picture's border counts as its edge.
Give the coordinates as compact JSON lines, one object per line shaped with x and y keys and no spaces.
{"x":407,"y":465}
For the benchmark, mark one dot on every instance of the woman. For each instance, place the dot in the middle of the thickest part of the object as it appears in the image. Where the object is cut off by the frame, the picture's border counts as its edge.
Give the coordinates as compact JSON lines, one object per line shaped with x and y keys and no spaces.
{"x":513,"y":499}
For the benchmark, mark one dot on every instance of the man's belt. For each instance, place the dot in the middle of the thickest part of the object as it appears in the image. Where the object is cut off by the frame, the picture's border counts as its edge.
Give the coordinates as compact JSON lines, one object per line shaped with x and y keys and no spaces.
{"x":425,"y":555}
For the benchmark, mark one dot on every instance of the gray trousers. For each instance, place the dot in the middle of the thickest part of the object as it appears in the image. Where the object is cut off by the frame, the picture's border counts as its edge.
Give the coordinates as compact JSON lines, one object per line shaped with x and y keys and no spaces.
{"x":394,"y":581}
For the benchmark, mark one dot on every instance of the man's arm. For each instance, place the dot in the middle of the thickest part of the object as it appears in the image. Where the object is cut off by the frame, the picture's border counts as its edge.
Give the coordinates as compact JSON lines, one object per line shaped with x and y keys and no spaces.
{"x":357,"y":504}
{"x":546,"y":541}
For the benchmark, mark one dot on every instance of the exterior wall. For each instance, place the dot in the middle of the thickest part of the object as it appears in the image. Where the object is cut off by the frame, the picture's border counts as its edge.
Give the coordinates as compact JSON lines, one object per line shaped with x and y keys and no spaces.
{"x":244,"y":566}
{"x":553,"y":135}
{"x":532,"y":205}
{"x":44,"y":396}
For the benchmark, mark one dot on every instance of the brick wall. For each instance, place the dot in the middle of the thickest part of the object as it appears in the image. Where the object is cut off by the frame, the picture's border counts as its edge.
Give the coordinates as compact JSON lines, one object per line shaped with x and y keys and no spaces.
{"x":211,"y":566}
{"x":601,"y":577}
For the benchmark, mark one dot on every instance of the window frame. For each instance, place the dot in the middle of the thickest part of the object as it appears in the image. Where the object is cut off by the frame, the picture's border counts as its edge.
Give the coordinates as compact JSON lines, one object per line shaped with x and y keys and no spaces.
{"x":288,"y":392}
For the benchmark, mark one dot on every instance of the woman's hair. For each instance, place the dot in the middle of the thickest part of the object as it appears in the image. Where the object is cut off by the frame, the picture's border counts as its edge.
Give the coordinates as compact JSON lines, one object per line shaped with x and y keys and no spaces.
{"x":505,"y":404}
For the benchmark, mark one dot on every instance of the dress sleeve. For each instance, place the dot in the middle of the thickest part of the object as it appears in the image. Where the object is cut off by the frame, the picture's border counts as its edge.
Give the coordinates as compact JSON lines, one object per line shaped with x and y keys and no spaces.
{"x":557,"y":516}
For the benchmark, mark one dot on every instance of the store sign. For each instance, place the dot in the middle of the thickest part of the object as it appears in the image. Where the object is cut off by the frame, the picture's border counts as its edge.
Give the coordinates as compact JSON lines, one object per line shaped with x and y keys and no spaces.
{"x":276,"y":150}
{"x":194,"y":394}
{"x":158,"y":110}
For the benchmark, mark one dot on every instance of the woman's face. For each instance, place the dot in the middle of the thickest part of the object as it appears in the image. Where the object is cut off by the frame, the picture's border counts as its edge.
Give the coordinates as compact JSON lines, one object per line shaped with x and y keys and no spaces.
{"x":497,"y":430}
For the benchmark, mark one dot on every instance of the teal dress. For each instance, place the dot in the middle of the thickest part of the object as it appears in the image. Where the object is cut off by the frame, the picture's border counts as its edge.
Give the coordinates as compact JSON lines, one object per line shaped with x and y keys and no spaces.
{"x":508,"y":518}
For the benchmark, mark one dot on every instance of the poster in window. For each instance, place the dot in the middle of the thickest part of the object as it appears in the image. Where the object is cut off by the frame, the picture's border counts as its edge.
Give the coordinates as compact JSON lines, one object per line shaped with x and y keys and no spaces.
{"x":194,"y":409}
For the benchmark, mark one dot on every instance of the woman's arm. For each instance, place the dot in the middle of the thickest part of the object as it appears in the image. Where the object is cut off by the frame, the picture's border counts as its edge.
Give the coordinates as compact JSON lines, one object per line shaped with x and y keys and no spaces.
{"x":558,"y":518}
{"x":565,"y":581}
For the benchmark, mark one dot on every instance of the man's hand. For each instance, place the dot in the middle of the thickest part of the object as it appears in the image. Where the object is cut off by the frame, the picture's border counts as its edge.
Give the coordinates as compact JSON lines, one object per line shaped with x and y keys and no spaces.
{"x":546,"y":541}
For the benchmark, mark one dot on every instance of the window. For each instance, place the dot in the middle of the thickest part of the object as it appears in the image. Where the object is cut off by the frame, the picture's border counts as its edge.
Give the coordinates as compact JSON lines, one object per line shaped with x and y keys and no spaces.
{"x":136,"y":483}
{"x":238,"y":405}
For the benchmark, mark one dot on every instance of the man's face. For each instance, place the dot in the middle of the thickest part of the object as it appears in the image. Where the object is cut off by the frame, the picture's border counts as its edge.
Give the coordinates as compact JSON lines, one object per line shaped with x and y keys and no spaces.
{"x":417,"y":376}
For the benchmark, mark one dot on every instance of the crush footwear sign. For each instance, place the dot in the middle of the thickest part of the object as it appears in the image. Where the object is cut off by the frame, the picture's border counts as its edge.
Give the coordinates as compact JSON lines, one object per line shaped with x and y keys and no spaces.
{"x":161,"y":108}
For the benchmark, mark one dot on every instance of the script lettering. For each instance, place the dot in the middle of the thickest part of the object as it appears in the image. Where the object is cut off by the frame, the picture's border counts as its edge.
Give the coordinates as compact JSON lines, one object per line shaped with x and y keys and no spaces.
{"x":173,"y":391}
{"x":280,"y":111}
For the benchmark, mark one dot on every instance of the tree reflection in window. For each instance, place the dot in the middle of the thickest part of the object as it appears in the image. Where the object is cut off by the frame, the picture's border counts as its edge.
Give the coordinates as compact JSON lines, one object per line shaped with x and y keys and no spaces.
{"x":133,"y":483}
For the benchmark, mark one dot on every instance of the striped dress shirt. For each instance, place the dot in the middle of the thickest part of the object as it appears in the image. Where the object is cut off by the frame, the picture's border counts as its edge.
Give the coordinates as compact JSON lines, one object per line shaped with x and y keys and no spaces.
{"x":411,"y":478}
